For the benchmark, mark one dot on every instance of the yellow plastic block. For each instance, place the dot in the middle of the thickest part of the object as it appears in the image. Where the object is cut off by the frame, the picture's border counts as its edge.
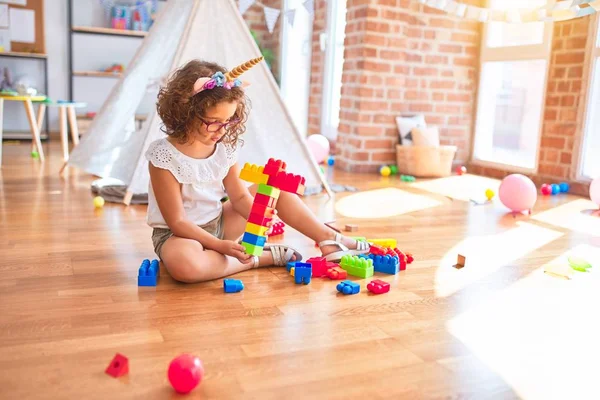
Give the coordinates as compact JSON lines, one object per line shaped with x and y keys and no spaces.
{"x":256,"y":229}
{"x":384,"y":242}
{"x":253,"y":173}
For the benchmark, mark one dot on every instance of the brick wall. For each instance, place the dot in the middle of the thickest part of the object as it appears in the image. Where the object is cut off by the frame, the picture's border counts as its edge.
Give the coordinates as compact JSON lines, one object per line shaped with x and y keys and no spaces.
{"x":317,"y":68}
{"x":255,"y":19}
{"x":565,"y":96}
{"x":401,"y":57}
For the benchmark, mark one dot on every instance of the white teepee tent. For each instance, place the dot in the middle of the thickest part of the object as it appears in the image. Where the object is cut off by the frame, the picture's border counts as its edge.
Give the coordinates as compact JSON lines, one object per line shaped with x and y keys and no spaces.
{"x":211,"y":30}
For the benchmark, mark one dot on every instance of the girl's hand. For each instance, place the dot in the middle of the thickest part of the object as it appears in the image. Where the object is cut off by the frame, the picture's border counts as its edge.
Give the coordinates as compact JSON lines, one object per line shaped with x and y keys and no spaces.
{"x":233,"y":249}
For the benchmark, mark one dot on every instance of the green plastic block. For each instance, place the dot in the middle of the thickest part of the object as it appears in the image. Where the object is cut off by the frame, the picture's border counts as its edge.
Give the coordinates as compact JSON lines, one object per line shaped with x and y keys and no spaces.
{"x":357,"y":266}
{"x":579,"y":264}
{"x":252,"y":249}
{"x":268,"y":190}
{"x":359,"y":238}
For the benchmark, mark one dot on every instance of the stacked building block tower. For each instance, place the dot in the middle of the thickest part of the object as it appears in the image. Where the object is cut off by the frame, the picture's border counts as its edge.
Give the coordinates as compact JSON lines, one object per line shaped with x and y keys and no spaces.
{"x":271,"y":180}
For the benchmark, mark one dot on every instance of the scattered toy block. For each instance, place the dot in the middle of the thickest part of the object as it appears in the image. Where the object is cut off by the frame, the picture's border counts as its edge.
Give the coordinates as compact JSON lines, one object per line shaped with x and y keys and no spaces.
{"x":357,"y":266}
{"x":119,"y":366}
{"x":273,"y":167}
{"x":351,"y":228}
{"x":376,"y":250}
{"x":337,"y":273}
{"x":265,"y":200}
{"x":232,"y":285}
{"x":261,"y":209}
{"x":288,"y":182}
{"x":258,"y":219}
{"x":383,"y":242}
{"x":385,"y":264}
{"x":302,"y":273}
{"x":253,"y":249}
{"x":409,"y":258}
{"x":268,"y":190}
{"x":253,"y":239}
{"x":254,"y":173}
{"x":277,"y":229}
{"x":290,"y":265}
{"x":378,"y":286}
{"x":256,"y":229}
{"x":319,"y":266}
{"x":148,"y":273}
{"x":460,"y":261}
{"x":348,"y":287}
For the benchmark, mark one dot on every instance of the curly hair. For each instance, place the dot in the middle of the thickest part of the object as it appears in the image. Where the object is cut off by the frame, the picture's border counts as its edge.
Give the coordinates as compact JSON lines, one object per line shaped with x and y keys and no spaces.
{"x":179,"y":110}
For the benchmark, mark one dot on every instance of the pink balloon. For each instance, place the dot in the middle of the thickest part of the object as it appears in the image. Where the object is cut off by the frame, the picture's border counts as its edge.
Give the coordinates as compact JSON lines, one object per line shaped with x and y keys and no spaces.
{"x":595,"y":191}
{"x":319,"y":147}
{"x":517,"y":192}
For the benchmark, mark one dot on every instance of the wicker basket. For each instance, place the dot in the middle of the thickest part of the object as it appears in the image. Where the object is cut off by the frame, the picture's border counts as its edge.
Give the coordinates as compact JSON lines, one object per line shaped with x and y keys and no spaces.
{"x":425,"y":161}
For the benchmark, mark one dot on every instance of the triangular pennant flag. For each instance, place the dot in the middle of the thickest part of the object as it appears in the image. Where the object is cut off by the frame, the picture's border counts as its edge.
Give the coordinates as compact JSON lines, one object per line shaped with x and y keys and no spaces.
{"x":271,"y":15}
{"x":310,"y":7}
{"x":245,"y":5}
{"x":290,"y":15}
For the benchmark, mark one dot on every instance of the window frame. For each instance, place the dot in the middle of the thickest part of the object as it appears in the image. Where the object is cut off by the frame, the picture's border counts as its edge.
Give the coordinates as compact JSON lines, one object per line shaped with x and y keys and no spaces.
{"x":487,"y":54}
{"x":592,"y":61}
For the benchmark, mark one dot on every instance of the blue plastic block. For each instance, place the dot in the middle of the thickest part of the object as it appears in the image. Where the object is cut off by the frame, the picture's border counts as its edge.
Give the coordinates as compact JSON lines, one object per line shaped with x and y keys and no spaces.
{"x":232,"y":285}
{"x":148,"y":273}
{"x":251,"y":238}
{"x":385,"y":264}
{"x":302,"y":273}
{"x":290,"y":265}
{"x":348,"y":287}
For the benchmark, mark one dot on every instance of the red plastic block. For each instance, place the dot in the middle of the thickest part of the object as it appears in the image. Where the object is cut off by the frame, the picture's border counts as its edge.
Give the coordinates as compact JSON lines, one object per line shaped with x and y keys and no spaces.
{"x":288,"y":182}
{"x":319,"y":266}
{"x":376,"y":250}
{"x":265,"y":200}
{"x":409,"y":258}
{"x":337,"y":273}
{"x":259,"y":219}
{"x":274,"y":166}
{"x":276,"y":229}
{"x":378,"y":286}
{"x":119,"y":366}
{"x":261,"y":209}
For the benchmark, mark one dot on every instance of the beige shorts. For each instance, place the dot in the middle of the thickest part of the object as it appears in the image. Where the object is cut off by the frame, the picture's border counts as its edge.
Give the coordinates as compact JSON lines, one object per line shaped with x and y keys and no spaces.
{"x":161,"y":235}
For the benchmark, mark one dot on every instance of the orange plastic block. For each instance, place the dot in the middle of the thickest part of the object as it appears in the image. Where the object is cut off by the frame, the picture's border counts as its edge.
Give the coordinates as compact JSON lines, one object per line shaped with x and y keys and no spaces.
{"x":337,"y":273}
{"x":288,"y":182}
{"x":253,"y":173}
{"x":273,"y":167}
{"x":119,"y":366}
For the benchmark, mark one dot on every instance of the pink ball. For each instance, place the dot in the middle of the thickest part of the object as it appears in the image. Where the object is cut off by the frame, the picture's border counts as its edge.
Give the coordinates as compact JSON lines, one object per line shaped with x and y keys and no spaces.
{"x":185,"y":373}
{"x":595,"y":191}
{"x":517,"y":192}
{"x":319,"y":147}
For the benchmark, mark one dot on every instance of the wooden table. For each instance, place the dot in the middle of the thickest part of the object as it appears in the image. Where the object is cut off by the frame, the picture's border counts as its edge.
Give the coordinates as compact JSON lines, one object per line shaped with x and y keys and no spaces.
{"x":33,"y":123}
{"x":66,"y":110}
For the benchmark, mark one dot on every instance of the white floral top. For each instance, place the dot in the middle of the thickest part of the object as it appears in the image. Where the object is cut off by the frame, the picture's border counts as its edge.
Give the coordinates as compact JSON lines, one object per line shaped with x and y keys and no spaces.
{"x":201,"y":180}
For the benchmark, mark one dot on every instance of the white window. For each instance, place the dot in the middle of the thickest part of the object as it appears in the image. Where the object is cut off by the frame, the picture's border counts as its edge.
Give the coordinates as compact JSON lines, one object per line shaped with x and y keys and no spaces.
{"x":590,"y":166}
{"x":512,"y":86}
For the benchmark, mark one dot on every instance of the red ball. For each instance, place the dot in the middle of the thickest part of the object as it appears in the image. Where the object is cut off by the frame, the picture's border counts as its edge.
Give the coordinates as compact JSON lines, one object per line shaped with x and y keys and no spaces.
{"x":185,"y":373}
{"x":546,"y":189}
{"x":461,"y":170}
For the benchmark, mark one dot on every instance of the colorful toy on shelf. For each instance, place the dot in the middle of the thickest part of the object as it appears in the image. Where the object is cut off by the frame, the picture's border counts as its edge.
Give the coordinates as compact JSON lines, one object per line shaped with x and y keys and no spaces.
{"x":348,"y":287}
{"x":185,"y":373}
{"x":232,"y":285}
{"x":385,"y":171}
{"x":302,"y":273}
{"x":357,"y":266}
{"x":271,"y":180}
{"x":378,"y":286}
{"x":119,"y":366}
{"x":115,"y":68}
{"x":148,"y":273}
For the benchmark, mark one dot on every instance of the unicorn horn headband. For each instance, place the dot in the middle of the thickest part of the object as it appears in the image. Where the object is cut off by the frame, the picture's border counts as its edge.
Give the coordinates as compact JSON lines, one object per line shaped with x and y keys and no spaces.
{"x":228,"y":80}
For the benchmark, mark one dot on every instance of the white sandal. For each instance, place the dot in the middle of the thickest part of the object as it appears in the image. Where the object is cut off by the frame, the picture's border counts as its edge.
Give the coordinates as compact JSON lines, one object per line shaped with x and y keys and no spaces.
{"x":282,"y":254}
{"x":361,"y":248}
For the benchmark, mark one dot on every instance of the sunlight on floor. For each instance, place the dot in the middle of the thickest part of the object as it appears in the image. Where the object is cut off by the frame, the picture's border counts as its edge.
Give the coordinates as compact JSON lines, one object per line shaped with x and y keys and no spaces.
{"x":541,"y":334}
{"x":575,"y":215}
{"x":486,"y":254}
{"x":463,"y":187}
{"x":383,"y":203}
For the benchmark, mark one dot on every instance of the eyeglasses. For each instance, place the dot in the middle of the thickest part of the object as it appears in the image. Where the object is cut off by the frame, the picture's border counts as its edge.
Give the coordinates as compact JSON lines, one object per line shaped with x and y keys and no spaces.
{"x":216,"y":126}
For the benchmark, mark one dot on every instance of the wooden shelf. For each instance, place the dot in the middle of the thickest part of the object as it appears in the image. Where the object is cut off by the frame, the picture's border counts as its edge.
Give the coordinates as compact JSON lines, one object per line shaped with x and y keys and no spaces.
{"x":97,"y":74}
{"x":108,"y":31}
{"x":19,"y":54}
{"x":138,"y":117}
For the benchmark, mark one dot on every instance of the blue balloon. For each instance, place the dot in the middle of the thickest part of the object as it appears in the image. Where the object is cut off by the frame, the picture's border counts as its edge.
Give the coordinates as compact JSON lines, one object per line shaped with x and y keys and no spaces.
{"x":564,"y":187}
{"x":555,"y":188}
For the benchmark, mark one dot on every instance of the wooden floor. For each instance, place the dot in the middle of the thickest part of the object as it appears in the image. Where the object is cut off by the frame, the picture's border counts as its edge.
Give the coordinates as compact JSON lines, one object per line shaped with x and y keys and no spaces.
{"x":497,"y":329}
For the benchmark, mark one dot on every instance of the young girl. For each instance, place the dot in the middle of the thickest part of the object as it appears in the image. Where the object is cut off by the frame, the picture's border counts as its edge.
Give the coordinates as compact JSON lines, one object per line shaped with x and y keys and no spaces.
{"x":203,"y":109}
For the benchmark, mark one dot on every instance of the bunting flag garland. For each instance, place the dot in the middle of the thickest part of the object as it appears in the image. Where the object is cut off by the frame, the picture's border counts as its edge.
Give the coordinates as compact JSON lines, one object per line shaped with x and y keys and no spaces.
{"x":271,"y":15}
{"x":309,"y":5}
{"x":245,"y":5}
{"x":290,"y":15}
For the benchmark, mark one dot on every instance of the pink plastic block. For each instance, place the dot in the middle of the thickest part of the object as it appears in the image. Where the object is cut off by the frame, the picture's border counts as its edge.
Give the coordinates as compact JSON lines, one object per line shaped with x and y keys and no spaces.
{"x":319,"y":266}
{"x":378,"y":286}
{"x":276,"y":229}
{"x":273,"y":167}
{"x":119,"y":366}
